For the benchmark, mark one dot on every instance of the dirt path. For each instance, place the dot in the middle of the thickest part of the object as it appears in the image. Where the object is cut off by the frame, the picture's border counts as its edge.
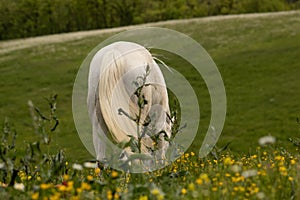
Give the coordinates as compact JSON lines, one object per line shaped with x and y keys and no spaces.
{"x":12,"y":45}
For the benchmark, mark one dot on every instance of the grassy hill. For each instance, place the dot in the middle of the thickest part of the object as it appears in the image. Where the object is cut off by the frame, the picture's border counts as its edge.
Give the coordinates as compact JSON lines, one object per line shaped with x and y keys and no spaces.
{"x":257,"y":56}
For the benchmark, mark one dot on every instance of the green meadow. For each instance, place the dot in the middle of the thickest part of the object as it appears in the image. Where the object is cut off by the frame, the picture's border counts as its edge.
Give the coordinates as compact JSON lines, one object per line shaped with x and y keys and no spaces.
{"x":257,"y":56}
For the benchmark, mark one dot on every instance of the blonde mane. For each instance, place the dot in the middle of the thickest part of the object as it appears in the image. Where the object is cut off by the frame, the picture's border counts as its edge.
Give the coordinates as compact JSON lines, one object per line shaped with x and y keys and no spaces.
{"x":115,"y":72}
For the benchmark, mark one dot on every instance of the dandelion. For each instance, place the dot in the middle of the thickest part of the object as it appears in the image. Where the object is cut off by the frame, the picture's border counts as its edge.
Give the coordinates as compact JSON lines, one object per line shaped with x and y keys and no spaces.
{"x":293,"y":162}
{"x":97,"y":171}
{"x":259,"y":165}
{"x":183,"y":191}
{"x":89,"y":177}
{"x":279,"y":158}
{"x":155,"y":191}
{"x":79,"y":190}
{"x":75,"y":198}
{"x":227,"y":161}
{"x":143,"y":198}
{"x":204,"y":177}
{"x":116,"y":196}
{"x":19,"y":186}
{"x":283,"y":171}
{"x":266,"y":140}
{"x":191,"y":187}
{"x":199,"y":181}
{"x":55,"y":196}
{"x":85,"y":186}
{"x":22,"y":175}
{"x":45,"y":186}
{"x":77,"y":166}
{"x":235,"y":188}
{"x":109,"y":195}
{"x":35,"y":196}
{"x":114,"y":174}
{"x":249,"y":173}
{"x":65,"y":177}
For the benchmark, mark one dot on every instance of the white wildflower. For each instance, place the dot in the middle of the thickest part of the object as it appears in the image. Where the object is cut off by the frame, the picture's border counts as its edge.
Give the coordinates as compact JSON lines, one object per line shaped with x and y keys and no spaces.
{"x":263,"y":141}
{"x":77,"y":166}
{"x":260,"y":195}
{"x":236,"y":168}
{"x":19,"y":186}
{"x":249,"y":173}
{"x":2,"y":165}
{"x":90,"y":165}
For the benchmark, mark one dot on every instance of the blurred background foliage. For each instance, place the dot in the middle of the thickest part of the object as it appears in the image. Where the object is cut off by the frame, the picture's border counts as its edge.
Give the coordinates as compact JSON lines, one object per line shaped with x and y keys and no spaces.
{"x":28,"y":18}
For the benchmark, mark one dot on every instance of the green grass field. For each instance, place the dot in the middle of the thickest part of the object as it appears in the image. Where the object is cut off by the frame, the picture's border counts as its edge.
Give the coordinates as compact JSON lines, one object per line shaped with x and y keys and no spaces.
{"x":258,"y":58}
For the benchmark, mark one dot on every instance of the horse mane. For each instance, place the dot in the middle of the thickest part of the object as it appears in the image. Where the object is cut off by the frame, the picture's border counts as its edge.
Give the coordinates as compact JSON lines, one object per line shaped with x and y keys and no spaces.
{"x":120,"y":66}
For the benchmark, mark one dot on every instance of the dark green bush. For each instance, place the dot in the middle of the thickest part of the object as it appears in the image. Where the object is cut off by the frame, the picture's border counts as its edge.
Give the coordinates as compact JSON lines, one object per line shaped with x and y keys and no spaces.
{"x":27,"y":18}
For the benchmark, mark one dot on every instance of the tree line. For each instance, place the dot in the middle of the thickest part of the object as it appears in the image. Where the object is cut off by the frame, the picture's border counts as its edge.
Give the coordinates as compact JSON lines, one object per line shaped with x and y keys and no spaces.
{"x":27,"y":18}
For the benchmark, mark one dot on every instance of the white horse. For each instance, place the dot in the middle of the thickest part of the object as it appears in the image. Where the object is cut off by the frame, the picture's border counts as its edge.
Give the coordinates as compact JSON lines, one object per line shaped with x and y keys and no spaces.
{"x":116,"y":72}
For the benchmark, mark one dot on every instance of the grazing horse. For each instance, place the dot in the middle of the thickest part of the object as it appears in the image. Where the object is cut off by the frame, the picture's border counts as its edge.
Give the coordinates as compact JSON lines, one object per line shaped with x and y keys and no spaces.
{"x":116,"y":73}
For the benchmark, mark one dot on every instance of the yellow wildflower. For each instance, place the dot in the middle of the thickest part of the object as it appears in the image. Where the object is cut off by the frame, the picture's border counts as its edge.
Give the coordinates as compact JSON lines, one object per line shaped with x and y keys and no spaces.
{"x":75,"y":198}
{"x":191,"y":186}
{"x":35,"y":196}
{"x":114,"y":174}
{"x":155,"y":191}
{"x":62,"y":188}
{"x":293,"y":162}
{"x":97,"y":171}
{"x":116,"y":196}
{"x":89,"y":177}
{"x":283,"y":171}
{"x":109,"y":195}
{"x":79,"y":190}
{"x":66,"y":177}
{"x":183,"y":191}
{"x":143,"y":198}
{"x":55,"y":196}
{"x":45,"y":186}
{"x":85,"y":186}
{"x":227,"y":161}
{"x":235,"y":188}
{"x":199,"y":181}
{"x":241,"y":189}
{"x":259,"y":165}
